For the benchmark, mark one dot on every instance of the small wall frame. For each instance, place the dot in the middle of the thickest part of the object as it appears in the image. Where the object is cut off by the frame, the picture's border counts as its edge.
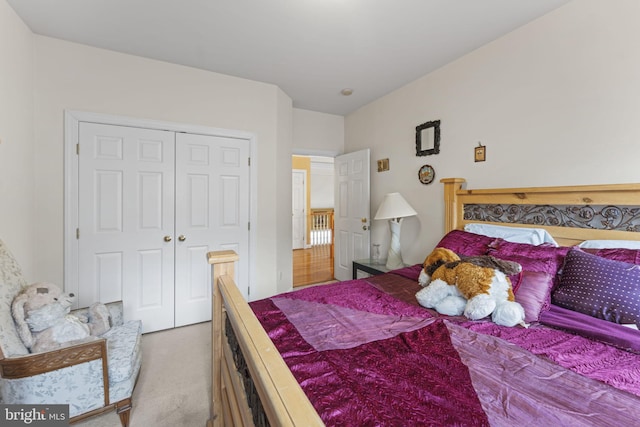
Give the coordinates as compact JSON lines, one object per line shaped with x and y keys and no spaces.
{"x":480,"y":153}
{"x":428,"y":138}
{"x":383,"y":165}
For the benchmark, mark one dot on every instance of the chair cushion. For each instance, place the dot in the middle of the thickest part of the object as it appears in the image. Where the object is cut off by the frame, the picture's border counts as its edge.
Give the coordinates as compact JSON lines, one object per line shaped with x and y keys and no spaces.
{"x":123,"y":346}
{"x":11,"y":283}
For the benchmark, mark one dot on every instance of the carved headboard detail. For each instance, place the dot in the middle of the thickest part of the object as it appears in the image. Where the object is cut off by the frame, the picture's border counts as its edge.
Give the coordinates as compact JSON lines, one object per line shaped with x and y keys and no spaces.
{"x":601,"y":217}
{"x":570,"y":213}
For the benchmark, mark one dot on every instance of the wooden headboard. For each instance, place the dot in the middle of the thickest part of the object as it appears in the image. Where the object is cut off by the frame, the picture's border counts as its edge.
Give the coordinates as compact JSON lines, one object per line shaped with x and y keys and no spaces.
{"x":571,"y":214}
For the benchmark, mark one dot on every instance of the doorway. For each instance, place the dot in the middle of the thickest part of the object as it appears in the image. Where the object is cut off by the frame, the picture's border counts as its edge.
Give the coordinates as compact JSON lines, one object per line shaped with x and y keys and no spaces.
{"x":313,"y":262}
{"x":299,"y":208}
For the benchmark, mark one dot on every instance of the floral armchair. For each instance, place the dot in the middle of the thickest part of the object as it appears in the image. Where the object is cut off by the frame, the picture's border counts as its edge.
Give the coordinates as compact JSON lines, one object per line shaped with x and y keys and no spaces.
{"x":91,"y":377}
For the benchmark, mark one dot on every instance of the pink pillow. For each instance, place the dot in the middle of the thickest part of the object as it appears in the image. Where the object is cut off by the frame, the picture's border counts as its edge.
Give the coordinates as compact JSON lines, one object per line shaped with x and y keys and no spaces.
{"x":625,"y":255}
{"x":542,"y":258}
{"x":533,"y":294}
{"x":540,"y":267}
{"x":466,"y":244}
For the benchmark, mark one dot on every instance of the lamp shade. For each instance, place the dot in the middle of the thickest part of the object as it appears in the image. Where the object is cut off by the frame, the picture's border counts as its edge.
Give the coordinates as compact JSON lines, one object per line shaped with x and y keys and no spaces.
{"x":394,"y":206}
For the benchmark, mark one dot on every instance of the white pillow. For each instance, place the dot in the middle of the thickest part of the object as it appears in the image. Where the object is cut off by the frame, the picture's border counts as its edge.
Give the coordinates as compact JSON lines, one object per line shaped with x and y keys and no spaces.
{"x":532,"y":236}
{"x":610,"y":244}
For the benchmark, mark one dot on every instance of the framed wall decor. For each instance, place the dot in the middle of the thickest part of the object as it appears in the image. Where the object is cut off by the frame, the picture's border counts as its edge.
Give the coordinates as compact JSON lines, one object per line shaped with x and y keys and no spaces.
{"x":426,"y":174}
{"x":383,"y":165}
{"x":480,"y":153}
{"x":428,"y":138}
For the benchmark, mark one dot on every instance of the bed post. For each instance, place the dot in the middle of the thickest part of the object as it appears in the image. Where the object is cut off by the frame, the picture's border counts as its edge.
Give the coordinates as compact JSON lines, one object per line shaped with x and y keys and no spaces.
{"x":222,"y":265}
{"x":452,"y":210}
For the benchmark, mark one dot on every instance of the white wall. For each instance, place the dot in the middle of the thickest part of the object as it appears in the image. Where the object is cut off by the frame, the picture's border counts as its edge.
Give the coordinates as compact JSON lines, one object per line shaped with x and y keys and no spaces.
{"x":82,"y":78}
{"x":16,"y":138}
{"x":317,"y":134}
{"x":283,"y":228}
{"x":556,"y":102}
{"x":322,"y":185}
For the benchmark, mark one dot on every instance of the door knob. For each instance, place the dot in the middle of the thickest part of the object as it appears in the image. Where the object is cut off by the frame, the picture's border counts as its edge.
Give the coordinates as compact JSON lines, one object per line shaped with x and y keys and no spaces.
{"x":167,"y":238}
{"x":182,"y":238}
{"x":363,"y":220}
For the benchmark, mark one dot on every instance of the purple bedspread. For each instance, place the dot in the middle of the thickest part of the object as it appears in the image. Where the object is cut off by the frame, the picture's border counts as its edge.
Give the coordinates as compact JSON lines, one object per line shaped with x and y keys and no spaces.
{"x":518,"y":388}
{"x":412,"y":378}
{"x":592,"y":327}
{"x":364,"y":357}
{"x":317,"y":324}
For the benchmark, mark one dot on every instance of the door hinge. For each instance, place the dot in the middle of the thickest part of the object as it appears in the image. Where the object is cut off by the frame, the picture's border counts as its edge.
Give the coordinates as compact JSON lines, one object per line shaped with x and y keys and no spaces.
{"x":248,"y":161}
{"x":77,"y":233}
{"x":78,"y":149}
{"x":249,"y":226}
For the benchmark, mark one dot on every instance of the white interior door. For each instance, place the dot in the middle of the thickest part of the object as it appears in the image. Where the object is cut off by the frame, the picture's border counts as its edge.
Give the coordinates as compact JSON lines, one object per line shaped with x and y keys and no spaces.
{"x":151,"y":204}
{"x":126,"y":221}
{"x":352,"y":205}
{"x":299,"y":191}
{"x":212,"y":213}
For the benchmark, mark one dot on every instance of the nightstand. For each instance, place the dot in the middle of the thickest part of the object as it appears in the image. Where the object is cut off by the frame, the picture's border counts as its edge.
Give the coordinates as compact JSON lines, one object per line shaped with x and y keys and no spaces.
{"x":368,"y":266}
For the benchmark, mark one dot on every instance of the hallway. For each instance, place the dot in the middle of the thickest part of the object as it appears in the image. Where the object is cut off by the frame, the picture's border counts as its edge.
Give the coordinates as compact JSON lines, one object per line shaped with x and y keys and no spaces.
{"x":314,"y":265}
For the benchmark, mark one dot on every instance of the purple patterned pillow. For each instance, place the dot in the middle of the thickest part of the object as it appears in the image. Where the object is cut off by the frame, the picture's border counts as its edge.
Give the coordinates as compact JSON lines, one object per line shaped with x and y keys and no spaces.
{"x":465,"y":243}
{"x":602,"y":288}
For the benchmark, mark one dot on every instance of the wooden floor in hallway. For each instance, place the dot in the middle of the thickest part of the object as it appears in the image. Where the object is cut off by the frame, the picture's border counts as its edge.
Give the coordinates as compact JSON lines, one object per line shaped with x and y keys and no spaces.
{"x":313,"y":265}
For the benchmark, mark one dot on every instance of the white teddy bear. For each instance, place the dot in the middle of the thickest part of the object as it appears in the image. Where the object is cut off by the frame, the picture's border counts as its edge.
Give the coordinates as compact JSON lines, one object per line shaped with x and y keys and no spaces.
{"x":43,"y":320}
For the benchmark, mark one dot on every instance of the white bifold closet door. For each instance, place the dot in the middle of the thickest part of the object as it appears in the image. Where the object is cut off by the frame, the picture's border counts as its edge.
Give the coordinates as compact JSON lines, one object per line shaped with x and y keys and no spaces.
{"x":152,"y":203}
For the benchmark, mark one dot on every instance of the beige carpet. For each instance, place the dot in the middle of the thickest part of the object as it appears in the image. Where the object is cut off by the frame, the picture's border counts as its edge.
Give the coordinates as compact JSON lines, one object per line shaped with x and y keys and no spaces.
{"x":174,"y":386}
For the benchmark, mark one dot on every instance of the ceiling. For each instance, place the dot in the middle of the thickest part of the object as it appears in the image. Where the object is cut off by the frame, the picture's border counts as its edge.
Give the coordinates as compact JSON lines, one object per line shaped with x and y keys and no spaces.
{"x":311,"y":49}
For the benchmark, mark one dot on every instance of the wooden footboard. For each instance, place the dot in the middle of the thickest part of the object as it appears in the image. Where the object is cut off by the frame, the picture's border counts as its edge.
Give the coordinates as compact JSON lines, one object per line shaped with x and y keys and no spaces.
{"x":245,"y":363}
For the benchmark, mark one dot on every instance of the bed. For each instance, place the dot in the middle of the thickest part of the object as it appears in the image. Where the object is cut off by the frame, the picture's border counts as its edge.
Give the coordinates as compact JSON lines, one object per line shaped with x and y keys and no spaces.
{"x":363,"y":352}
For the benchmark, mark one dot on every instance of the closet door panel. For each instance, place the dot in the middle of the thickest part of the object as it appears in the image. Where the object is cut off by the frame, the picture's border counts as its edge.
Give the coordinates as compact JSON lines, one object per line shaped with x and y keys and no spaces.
{"x":126,"y":200}
{"x":151,"y":204}
{"x":212,"y":212}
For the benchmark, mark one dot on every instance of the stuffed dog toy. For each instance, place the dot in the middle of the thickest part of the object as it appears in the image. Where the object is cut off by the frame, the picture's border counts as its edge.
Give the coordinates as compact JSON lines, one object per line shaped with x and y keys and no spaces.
{"x":475,"y":286}
{"x":41,"y":314}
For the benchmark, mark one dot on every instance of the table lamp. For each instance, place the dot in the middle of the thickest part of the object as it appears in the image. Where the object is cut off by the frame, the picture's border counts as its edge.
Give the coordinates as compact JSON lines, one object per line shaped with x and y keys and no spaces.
{"x":394,"y":208}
